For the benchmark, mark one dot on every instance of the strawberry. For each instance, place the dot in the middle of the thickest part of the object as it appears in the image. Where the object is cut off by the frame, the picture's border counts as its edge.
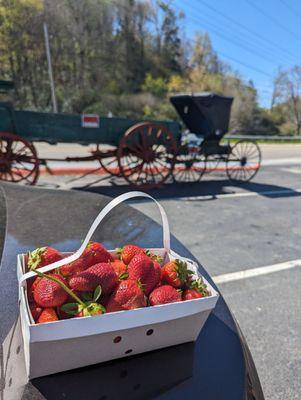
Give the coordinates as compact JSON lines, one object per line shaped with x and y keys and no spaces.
{"x":127,"y":252}
{"x":35,"y":311}
{"x":31,"y":287}
{"x":102,"y":274}
{"x":94,"y":253}
{"x":47,"y":315}
{"x":48,"y":293}
{"x":190,"y":294}
{"x":196,"y":289}
{"x":43,"y":256}
{"x":158,"y":268}
{"x":175,"y":273}
{"x":119,"y":267}
{"x":164,"y":294}
{"x":128,"y":295}
{"x":90,"y":310}
{"x":142,"y":269}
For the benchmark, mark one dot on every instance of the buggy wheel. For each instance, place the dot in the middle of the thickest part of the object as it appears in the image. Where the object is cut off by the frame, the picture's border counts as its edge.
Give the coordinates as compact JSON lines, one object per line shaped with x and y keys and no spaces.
{"x":18,"y":159}
{"x":212,"y":162}
{"x":244,"y":161}
{"x":146,"y":155}
{"x":190,"y":165}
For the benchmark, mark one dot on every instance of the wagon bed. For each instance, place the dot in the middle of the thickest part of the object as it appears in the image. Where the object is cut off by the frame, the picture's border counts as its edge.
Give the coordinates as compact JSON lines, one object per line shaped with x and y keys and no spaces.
{"x":67,"y":128}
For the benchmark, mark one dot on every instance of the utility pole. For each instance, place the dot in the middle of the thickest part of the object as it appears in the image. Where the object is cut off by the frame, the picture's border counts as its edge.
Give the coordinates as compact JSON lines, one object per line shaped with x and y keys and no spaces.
{"x":53,"y":97}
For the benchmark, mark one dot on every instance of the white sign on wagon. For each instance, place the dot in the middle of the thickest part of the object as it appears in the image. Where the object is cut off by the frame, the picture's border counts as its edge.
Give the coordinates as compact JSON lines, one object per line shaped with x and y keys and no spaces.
{"x":90,"y":121}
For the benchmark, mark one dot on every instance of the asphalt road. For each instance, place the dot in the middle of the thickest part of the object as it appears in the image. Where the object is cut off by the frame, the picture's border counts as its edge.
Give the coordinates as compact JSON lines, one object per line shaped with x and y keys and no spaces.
{"x":234,"y":228}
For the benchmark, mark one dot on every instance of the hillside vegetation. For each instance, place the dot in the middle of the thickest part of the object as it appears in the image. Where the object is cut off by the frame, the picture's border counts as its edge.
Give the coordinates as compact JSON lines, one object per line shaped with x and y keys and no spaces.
{"x":126,"y":58}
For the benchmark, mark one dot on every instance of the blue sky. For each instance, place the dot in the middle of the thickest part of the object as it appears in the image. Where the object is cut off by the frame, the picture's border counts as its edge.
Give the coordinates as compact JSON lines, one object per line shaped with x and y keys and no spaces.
{"x":255,"y":37}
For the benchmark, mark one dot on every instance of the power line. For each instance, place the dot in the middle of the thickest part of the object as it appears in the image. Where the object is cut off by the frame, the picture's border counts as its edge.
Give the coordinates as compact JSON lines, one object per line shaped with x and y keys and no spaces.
{"x":275,"y":21}
{"x":245,"y":64}
{"x":233,"y":41}
{"x":238,"y":41}
{"x":292,"y":10}
{"x":232,"y":20}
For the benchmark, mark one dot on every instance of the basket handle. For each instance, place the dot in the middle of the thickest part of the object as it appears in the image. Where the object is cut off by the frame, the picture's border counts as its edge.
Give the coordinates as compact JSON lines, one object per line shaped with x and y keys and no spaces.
{"x":115,"y":202}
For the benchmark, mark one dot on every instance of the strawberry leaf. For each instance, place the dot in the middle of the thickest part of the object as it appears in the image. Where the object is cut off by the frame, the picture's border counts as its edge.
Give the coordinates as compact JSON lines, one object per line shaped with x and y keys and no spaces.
{"x":124,"y":275}
{"x":71,"y":308}
{"x":97,"y":293}
{"x":87,"y":296}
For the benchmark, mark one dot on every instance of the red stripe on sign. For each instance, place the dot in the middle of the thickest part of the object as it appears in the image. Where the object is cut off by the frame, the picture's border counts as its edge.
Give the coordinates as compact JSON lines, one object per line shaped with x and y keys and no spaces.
{"x":90,"y":119}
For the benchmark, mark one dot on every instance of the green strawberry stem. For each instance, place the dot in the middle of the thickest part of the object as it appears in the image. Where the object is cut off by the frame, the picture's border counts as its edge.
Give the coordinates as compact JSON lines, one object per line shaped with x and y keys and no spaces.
{"x":69,"y":291}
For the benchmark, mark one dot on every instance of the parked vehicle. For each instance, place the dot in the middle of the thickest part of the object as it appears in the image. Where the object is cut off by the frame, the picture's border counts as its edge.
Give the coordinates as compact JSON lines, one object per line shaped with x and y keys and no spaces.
{"x":144,"y":153}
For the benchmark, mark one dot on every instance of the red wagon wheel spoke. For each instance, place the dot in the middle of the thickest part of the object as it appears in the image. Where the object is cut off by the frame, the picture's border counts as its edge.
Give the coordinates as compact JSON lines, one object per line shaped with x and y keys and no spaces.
{"x":153,"y":148}
{"x":18,"y":159}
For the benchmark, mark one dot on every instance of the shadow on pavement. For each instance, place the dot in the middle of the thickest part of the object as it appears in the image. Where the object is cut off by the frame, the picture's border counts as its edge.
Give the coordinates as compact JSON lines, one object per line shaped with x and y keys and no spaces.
{"x":209,"y":189}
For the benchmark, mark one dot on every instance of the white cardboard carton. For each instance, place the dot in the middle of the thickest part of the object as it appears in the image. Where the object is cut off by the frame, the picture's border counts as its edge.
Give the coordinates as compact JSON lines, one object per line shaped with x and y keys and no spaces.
{"x":58,"y":346}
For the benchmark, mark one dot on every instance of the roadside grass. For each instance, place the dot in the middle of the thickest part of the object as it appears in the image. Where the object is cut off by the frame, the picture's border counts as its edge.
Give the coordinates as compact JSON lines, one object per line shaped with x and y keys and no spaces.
{"x":265,"y":141}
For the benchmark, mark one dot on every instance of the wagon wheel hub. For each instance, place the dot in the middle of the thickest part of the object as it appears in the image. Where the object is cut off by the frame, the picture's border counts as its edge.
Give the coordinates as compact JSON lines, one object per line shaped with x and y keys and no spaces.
{"x":149,"y":155}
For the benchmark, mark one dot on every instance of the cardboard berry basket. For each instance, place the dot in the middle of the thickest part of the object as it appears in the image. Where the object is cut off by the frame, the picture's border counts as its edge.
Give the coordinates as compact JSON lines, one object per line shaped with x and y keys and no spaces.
{"x":71,"y":343}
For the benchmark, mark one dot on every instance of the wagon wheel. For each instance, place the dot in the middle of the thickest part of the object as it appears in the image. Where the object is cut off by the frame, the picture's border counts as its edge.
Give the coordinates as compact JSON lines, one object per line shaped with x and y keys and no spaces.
{"x":190,"y":165}
{"x":244,"y":161}
{"x":146,"y":154}
{"x":18,"y":159}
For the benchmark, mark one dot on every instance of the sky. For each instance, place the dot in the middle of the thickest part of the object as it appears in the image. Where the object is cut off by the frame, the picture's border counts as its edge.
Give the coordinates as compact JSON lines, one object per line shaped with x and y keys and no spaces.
{"x":256,"y":37}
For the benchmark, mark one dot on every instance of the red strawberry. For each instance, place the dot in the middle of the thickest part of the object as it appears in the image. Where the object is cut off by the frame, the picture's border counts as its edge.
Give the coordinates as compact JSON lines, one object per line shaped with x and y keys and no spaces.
{"x":119,"y":267}
{"x":47,"y":315}
{"x":94,"y":253}
{"x":102,"y":274}
{"x":190,"y":294}
{"x":35,"y":311}
{"x":127,"y":296}
{"x":128,"y":252}
{"x":43,"y":256}
{"x":95,"y":309}
{"x":158,"y":268}
{"x":31,"y":287}
{"x":142,"y":269}
{"x":196,"y":289}
{"x":175,"y":273}
{"x":48,"y":293}
{"x":163,"y":295}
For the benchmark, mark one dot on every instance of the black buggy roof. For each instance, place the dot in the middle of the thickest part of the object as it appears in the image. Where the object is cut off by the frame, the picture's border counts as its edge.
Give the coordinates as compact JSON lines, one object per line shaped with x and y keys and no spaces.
{"x":203,"y":113}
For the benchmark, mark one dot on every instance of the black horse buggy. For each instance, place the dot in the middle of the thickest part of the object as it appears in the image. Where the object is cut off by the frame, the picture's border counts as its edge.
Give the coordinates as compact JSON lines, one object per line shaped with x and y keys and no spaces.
{"x":206,"y":117}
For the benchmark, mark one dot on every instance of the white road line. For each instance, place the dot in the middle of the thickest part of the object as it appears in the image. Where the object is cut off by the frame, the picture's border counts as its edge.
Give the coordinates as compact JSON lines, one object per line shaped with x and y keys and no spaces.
{"x":281,"y":161}
{"x":242,"y":194}
{"x":250,"y":273}
{"x":292,"y":170}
